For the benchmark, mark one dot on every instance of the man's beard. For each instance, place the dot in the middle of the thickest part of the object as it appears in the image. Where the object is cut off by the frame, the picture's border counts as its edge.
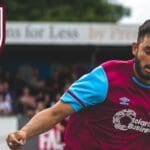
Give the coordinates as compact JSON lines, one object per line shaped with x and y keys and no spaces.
{"x":138,"y":69}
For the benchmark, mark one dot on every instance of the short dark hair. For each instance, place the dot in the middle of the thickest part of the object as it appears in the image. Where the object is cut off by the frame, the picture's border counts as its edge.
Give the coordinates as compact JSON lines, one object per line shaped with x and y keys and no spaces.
{"x":144,"y":30}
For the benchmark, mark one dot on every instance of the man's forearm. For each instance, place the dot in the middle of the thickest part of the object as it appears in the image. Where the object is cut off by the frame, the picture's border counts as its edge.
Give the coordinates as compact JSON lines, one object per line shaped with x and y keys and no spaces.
{"x":46,"y":119}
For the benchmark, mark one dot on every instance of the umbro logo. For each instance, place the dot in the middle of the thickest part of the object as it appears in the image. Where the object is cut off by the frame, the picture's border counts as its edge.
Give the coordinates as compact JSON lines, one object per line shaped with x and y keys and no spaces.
{"x":124,"y":101}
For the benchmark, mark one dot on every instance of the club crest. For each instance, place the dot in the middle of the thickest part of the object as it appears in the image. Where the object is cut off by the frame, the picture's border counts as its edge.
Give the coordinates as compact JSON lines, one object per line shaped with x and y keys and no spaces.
{"x":2,"y":26}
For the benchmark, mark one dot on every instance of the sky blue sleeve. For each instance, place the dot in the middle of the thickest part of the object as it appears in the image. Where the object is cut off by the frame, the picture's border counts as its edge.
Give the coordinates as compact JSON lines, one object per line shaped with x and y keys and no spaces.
{"x":89,"y":90}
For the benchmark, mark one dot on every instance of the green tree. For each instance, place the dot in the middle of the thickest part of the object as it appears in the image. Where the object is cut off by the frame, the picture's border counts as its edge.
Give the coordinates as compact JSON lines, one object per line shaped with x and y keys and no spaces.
{"x":65,"y":10}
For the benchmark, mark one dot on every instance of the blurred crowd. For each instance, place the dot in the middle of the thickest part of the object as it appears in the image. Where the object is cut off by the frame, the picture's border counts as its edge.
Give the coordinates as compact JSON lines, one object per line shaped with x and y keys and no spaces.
{"x":27,"y":92}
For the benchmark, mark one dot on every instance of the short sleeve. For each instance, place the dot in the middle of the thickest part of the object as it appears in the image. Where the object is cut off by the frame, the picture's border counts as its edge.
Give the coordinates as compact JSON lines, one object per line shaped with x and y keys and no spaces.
{"x":88,"y":90}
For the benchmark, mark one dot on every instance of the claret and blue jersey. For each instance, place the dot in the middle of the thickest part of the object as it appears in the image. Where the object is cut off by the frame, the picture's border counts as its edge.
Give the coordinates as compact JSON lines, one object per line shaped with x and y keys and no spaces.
{"x":112,"y":110}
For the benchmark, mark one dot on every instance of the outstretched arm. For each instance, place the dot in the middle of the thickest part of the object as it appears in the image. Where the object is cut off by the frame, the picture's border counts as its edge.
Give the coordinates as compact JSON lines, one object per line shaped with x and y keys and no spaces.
{"x":40,"y":123}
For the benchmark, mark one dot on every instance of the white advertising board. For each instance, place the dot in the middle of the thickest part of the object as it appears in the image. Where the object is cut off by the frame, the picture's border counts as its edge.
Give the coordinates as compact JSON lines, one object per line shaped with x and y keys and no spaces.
{"x":7,"y":125}
{"x":70,"y":33}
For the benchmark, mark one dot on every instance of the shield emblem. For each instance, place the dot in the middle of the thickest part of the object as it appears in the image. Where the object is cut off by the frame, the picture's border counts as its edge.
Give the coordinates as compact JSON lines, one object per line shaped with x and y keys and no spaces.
{"x":2,"y":26}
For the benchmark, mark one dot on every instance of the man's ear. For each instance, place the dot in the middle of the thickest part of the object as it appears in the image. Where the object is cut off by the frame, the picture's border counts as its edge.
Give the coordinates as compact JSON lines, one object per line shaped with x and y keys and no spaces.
{"x":134,"y":48}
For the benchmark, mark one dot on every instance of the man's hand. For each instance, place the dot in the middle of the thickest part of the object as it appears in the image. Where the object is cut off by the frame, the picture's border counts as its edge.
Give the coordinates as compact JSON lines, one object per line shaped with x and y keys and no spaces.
{"x":16,"y":140}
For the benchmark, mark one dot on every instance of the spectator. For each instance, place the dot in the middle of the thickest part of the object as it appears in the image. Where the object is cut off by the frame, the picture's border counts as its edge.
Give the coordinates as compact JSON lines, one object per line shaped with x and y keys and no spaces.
{"x":8,"y":94}
{"x":5,"y":107}
{"x":40,"y":106}
{"x":27,"y":102}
